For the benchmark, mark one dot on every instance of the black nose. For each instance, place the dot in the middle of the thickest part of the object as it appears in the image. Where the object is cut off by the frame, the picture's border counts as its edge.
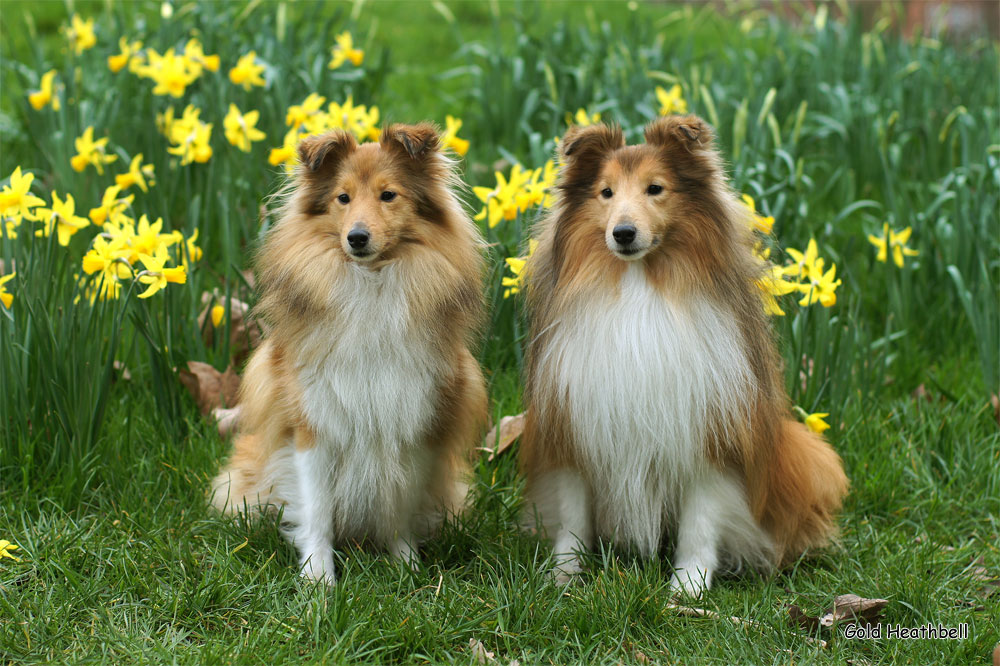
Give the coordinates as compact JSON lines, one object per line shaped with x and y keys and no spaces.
{"x":358,"y":238}
{"x":624,"y":234}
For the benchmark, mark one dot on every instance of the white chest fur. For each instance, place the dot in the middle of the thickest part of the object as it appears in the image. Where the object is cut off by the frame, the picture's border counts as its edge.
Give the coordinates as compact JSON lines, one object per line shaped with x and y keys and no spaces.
{"x":641,"y":375}
{"x":370,"y":384}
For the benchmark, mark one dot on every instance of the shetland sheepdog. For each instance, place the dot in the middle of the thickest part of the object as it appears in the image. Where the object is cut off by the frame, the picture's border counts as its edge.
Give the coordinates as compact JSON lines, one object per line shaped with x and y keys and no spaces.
{"x":654,"y":393}
{"x":360,"y":410}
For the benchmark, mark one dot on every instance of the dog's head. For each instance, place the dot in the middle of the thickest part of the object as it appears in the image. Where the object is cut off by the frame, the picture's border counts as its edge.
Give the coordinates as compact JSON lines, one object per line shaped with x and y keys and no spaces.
{"x":642,"y":197}
{"x":375,"y":196}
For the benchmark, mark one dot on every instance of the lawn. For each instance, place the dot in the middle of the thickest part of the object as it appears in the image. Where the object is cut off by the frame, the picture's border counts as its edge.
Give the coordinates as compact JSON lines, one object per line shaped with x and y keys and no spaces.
{"x":835,"y":127}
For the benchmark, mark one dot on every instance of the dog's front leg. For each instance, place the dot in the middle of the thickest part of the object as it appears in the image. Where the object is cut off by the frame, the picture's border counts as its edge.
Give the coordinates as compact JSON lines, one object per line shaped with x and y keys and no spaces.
{"x":571,"y":501}
{"x":313,"y":514}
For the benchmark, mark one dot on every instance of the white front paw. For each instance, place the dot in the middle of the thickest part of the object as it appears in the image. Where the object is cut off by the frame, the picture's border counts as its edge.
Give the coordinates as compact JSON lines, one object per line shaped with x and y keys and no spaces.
{"x":566,"y":570}
{"x":690,"y":581}
{"x":404,"y":551}
{"x":319,"y":567}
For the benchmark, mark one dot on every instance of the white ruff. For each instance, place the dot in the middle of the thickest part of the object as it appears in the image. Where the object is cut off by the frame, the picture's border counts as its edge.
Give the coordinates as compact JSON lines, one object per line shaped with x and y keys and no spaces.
{"x":370,"y":384}
{"x":640,"y":376}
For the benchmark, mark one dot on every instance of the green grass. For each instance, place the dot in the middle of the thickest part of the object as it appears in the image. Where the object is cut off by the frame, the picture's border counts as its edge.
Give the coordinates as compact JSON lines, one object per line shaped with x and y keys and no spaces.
{"x":103,"y":481}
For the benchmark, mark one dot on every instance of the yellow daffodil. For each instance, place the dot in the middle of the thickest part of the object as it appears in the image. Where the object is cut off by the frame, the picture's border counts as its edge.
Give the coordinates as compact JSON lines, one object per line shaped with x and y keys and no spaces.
{"x":40,"y":98}
{"x":80,"y":34}
{"x":816,"y":423}
{"x":820,"y":288}
{"x":772,"y":284}
{"x":241,"y":129}
{"x":91,"y":152}
{"x":344,"y":50}
{"x":148,"y":239}
{"x":523,"y":190}
{"x":307,"y":113}
{"x":189,"y":135}
{"x":285,"y":154}
{"x":172,"y":73}
{"x":582,"y":119}
{"x":450,"y":138}
{"x":218,"y":315}
{"x":138,"y":174}
{"x":16,"y":201}
{"x":896,"y":240}
{"x":671,"y":101}
{"x":7,"y":299}
{"x":760,"y":223}
{"x":359,"y":120}
{"x":807,"y":264}
{"x":128,"y":50}
{"x":516,"y":266}
{"x":61,"y":218}
{"x":109,"y":257}
{"x":195,"y":54}
{"x":7,"y":546}
{"x":112,"y":206}
{"x":158,"y":274}
{"x":247,"y":72}
{"x":187,"y":249}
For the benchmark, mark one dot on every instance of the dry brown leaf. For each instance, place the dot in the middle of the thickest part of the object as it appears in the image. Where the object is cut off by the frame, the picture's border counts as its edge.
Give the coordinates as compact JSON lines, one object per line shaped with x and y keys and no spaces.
{"x":847,"y":608}
{"x":209,"y":387}
{"x":503,"y":434}
{"x":995,"y":401}
{"x":480,"y":653}
{"x":227,"y":419}
{"x":691,"y":611}
{"x":245,"y":332}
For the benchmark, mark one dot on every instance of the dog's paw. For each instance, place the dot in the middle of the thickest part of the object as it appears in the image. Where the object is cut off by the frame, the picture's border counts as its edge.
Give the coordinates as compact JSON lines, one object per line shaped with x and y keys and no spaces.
{"x":320,"y":568}
{"x":690,"y":582}
{"x":566,"y":571}
{"x":406,"y":553}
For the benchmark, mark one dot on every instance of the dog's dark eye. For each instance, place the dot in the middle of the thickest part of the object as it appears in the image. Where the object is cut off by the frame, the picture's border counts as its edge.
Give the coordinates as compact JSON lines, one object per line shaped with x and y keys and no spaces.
{"x":344,"y":198}
{"x":654,"y":189}
{"x":607,"y":193}
{"x":388,"y":195}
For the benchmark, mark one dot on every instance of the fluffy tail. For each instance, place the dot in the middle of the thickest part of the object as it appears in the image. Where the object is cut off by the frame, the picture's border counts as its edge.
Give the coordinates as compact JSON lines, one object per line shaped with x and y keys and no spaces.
{"x":804,"y":485}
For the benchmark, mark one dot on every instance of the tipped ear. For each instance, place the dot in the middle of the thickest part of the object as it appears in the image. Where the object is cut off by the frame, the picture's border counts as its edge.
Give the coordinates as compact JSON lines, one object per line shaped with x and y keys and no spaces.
{"x":590,"y":142}
{"x":689,"y":131}
{"x":583,"y":151}
{"x":324,"y":151}
{"x":418,"y":141}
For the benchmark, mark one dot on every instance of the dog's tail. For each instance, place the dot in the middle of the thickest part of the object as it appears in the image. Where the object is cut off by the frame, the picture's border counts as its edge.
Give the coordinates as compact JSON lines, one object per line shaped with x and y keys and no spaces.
{"x":804,"y":486}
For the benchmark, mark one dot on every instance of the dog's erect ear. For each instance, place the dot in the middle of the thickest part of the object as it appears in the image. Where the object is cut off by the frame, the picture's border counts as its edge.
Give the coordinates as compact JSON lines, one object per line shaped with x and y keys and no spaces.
{"x":418,"y":141}
{"x":583,"y":151}
{"x":323,"y":152}
{"x":688,"y":131}
{"x":590,"y":142}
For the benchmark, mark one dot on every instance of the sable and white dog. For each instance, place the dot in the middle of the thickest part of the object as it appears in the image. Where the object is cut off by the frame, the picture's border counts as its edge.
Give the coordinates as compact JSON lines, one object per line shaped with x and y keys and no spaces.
{"x":359,"y":411}
{"x":654,"y":394}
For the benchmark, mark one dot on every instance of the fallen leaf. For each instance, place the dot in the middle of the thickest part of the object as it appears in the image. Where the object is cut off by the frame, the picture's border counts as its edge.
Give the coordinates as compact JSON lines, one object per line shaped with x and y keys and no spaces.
{"x":979,"y":573}
{"x":847,"y":608}
{"x":227,"y":419}
{"x":503,"y":434}
{"x":209,"y":387}
{"x":480,"y":653}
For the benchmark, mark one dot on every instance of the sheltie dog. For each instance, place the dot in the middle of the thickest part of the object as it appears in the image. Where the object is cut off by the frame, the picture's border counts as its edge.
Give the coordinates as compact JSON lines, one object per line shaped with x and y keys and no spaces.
{"x":360,"y":410}
{"x":654,"y":393}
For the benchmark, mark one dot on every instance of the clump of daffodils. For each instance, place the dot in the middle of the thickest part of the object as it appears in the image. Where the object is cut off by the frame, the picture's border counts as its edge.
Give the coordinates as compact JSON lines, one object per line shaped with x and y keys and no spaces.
{"x":314,"y":116}
{"x":189,"y":135}
{"x":172,"y":72}
{"x":522,"y":190}
{"x":895,"y":242}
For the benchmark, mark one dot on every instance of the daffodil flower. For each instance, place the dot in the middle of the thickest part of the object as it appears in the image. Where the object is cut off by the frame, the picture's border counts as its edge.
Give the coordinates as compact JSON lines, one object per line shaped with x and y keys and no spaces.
{"x":822,"y":288}
{"x":189,"y":134}
{"x":138,"y":174}
{"x":304,"y":114}
{"x":195,"y":54}
{"x":172,"y":73}
{"x":218,"y":315}
{"x":80,"y":34}
{"x":128,"y":50}
{"x":344,"y":50}
{"x":359,"y":120}
{"x":671,"y":101}
{"x":61,"y":217}
{"x":247,"y":72}
{"x":772,"y":284}
{"x":523,"y":190}
{"x":40,"y":98}
{"x":450,"y":138}
{"x":157,"y":275}
{"x":582,"y":119}
{"x":285,"y":154}
{"x":807,"y":264}
{"x":91,"y":152}
{"x":760,"y":223}
{"x":516,"y":266}
{"x":241,"y":129}
{"x":111,"y":205}
{"x":7,"y":299}
{"x":108,"y":257}
{"x":16,"y":202}
{"x":896,"y":240}
{"x":816,"y":423}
